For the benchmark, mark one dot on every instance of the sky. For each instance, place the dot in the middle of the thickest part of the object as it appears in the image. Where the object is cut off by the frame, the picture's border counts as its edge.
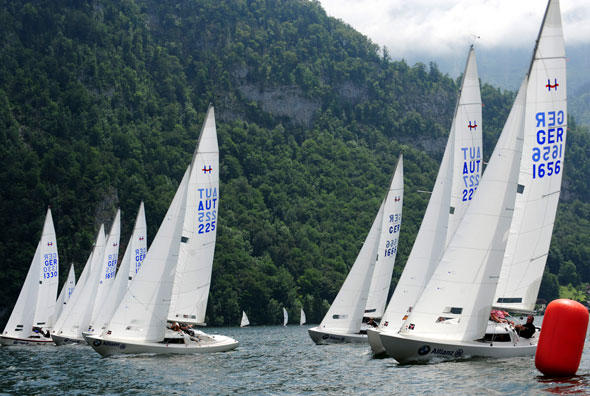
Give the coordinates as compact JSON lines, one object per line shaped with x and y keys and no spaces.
{"x":412,"y":28}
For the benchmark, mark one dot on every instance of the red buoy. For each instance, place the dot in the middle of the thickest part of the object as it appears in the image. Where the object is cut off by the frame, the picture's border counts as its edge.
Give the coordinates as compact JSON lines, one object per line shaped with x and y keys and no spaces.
{"x":562,"y":338}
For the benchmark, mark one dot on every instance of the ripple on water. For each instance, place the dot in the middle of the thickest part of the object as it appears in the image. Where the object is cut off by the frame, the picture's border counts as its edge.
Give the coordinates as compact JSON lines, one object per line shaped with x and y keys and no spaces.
{"x":269,"y":361}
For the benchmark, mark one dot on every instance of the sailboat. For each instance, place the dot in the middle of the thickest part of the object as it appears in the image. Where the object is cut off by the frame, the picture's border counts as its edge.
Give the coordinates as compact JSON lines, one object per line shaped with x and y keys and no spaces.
{"x":66,"y":292}
{"x":342,"y":323}
{"x":450,"y":318}
{"x":457,"y":180}
{"x":245,"y":322}
{"x":130,"y":265}
{"x":302,"y":319}
{"x":33,"y":313}
{"x":86,"y":301}
{"x":285,"y":317}
{"x":184,"y":243}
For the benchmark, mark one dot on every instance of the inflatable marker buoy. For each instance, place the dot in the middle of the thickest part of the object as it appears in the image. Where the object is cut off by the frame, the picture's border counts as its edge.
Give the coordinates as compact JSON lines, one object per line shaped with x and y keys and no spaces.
{"x":562,"y":338}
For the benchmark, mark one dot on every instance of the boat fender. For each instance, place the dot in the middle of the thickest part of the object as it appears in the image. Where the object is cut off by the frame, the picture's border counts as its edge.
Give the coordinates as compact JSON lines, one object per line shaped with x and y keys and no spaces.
{"x":562,"y":338}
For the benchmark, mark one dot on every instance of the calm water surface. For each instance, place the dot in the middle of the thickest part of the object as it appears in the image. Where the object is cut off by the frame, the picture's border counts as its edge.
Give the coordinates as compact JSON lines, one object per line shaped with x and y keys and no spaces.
{"x":270,"y":361}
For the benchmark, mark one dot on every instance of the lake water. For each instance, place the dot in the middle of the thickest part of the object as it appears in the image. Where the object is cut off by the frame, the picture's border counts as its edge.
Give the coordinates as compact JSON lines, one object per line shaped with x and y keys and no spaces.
{"x":270,"y":361}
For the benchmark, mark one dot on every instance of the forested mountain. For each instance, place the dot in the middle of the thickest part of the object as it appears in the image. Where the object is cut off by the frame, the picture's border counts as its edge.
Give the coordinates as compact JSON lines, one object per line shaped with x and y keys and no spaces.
{"x":101,"y":103}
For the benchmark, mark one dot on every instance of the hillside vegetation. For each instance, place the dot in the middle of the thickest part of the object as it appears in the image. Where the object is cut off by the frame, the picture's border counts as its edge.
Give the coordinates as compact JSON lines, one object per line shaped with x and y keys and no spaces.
{"x":101,"y":103}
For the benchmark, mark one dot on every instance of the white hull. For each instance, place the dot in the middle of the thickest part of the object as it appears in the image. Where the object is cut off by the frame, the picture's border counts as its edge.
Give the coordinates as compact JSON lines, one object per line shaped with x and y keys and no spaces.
{"x":413,"y":349}
{"x":374,"y":338}
{"x":6,"y":341}
{"x":323,"y":337}
{"x":215,"y":343}
{"x":64,"y":340}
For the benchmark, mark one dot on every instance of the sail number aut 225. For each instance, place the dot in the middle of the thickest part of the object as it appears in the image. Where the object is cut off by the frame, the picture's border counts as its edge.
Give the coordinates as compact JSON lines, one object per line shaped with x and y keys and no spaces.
{"x":207,"y":210}
{"x":548,"y":149}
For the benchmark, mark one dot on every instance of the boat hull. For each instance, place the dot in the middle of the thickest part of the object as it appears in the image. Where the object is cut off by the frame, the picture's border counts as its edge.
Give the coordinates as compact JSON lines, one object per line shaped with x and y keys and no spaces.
{"x":373,"y":336}
{"x":415,"y":350}
{"x":65,"y":340}
{"x":7,"y":341}
{"x":118,"y":347}
{"x":324,"y":337}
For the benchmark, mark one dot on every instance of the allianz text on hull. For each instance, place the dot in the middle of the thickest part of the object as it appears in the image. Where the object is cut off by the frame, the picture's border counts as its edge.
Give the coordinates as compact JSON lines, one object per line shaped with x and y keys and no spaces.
{"x":417,"y":349}
{"x":452,"y":313}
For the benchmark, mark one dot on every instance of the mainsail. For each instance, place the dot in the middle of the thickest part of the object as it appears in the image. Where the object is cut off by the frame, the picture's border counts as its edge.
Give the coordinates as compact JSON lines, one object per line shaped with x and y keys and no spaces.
{"x":539,"y":180}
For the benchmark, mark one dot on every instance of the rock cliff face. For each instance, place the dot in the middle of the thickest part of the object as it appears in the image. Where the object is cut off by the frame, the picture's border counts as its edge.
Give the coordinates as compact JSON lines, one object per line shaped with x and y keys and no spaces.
{"x":283,"y":101}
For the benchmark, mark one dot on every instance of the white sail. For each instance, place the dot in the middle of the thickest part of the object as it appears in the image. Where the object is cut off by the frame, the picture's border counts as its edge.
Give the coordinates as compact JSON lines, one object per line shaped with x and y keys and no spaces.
{"x":141,"y":315}
{"x":285,"y":317}
{"x":66,"y":292}
{"x":106,"y":277}
{"x":540,"y":171}
{"x":456,"y":302}
{"x":387,"y":247}
{"x":132,"y":260}
{"x":245,"y":322}
{"x":302,"y":319}
{"x":41,"y":281}
{"x":457,"y":178}
{"x":195,"y":261}
{"x":346,"y":312}
{"x":137,"y":245}
{"x":76,"y":316}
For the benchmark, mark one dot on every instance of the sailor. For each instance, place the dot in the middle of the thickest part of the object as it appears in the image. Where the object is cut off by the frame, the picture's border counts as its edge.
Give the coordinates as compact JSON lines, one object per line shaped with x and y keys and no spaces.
{"x":526,"y":330}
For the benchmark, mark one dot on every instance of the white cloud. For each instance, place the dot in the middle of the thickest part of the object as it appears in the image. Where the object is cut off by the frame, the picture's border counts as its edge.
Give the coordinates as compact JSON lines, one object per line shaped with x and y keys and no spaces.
{"x":441,"y":27}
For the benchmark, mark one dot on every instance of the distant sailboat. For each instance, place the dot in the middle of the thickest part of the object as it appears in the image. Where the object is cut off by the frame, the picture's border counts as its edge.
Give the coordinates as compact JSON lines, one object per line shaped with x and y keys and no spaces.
{"x":33,"y":313}
{"x":302,"y":319}
{"x":457,"y":180}
{"x":285,"y":317}
{"x":184,"y":243}
{"x":66,"y":292}
{"x":342,"y":322}
{"x":450,"y":318}
{"x":245,"y":322}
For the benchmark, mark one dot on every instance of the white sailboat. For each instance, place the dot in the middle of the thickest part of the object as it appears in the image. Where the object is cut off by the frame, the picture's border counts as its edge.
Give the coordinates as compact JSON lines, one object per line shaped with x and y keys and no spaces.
{"x":342,"y":323}
{"x":302,"y":318}
{"x":66,"y":292}
{"x":131,"y":263}
{"x":245,"y":322}
{"x":139,"y":324}
{"x":86,"y":301}
{"x":33,"y":313}
{"x":450,"y":318}
{"x":285,"y":317}
{"x":458,"y":178}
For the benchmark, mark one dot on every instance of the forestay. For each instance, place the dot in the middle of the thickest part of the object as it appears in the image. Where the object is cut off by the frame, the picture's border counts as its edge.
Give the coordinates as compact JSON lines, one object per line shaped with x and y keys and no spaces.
{"x":539,"y":181}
